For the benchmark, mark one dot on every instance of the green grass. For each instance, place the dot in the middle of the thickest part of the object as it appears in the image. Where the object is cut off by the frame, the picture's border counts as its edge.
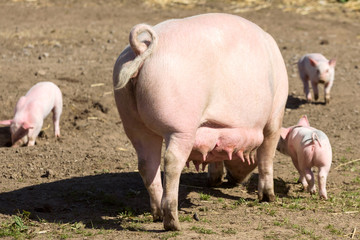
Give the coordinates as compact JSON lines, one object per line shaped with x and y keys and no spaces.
{"x":204,"y":197}
{"x":334,"y":230}
{"x":185,"y":218}
{"x":18,"y":227}
{"x":202,"y":230}
{"x":229,"y":231}
{"x":170,"y":235}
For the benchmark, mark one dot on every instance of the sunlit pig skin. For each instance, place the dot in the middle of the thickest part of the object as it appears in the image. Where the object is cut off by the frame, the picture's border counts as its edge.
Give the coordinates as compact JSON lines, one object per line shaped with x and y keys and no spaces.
{"x":314,"y":67}
{"x":308,"y":147}
{"x":214,"y":87}
{"x":30,"y":112}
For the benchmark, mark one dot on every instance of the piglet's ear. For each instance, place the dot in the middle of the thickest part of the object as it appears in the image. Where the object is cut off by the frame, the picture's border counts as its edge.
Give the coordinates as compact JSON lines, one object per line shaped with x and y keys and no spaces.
{"x":332,"y":62}
{"x":284,"y":132}
{"x":6,"y":122}
{"x":26,"y":126}
{"x":313,"y":62}
{"x":304,"y":122}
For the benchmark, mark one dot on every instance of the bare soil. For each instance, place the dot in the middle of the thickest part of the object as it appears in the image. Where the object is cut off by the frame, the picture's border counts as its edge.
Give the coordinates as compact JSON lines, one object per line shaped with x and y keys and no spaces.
{"x":86,"y":185}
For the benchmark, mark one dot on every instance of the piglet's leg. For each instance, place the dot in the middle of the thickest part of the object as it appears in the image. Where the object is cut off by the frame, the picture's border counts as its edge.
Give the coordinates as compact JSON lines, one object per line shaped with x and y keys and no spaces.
{"x":327,"y":89}
{"x":56,"y":119}
{"x":315,"y":89}
{"x":178,"y":148}
{"x":33,"y":133}
{"x":323,"y":173}
{"x":305,"y":82}
{"x":302,"y":180}
{"x":310,"y":179}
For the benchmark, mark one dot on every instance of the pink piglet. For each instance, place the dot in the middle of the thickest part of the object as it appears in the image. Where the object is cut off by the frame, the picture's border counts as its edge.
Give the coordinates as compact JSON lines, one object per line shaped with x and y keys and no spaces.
{"x":308,"y":147}
{"x":30,"y":112}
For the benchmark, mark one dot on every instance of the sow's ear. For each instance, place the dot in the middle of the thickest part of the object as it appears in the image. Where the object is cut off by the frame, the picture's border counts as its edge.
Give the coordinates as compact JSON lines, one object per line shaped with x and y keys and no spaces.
{"x":284,"y":132}
{"x":6,"y":122}
{"x":304,"y":122}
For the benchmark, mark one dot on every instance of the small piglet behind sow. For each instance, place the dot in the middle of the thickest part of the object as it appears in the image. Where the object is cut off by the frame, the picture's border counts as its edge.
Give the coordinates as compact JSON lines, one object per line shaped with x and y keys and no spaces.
{"x":307,"y":147}
{"x":30,"y":112}
{"x":316,"y":68}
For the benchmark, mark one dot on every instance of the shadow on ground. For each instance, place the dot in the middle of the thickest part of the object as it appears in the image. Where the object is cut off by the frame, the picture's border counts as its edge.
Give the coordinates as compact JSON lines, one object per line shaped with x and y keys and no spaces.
{"x":5,"y":137}
{"x":97,"y":200}
{"x":295,"y":102}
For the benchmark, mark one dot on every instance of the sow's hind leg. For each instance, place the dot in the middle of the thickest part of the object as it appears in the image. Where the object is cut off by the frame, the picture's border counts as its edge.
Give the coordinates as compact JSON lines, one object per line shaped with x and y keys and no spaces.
{"x":178,"y":148}
{"x":265,"y":156}
{"x":148,"y":149}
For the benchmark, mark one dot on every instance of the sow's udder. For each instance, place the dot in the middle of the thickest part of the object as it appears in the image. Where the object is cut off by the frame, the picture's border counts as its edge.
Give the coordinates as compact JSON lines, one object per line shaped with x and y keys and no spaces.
{"x":219,"y":144}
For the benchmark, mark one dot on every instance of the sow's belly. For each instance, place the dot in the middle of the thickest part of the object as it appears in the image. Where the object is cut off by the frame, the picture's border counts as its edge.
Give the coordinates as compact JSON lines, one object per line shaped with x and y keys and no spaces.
{"x":219,"y":144}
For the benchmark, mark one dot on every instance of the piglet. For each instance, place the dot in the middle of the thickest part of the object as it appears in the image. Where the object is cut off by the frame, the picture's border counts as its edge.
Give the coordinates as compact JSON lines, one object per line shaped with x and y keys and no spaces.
{"x":316,"y":68}
{"x":307,"y":147}
{"x":30,"y":112}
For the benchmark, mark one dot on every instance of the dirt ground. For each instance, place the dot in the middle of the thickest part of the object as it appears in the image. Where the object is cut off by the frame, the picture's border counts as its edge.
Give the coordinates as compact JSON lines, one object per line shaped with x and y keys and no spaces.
{"x":86,"y":185}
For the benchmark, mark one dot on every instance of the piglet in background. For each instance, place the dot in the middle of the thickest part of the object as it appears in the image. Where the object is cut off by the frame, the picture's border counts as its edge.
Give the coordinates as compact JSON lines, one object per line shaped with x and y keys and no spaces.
{"x":30,"y":112}
{"x":316,"y":68}
{"x":307,"y":147}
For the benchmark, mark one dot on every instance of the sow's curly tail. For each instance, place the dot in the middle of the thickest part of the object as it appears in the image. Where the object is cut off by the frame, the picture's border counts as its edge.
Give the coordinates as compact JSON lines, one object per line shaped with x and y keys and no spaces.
{"x":142,"y":50}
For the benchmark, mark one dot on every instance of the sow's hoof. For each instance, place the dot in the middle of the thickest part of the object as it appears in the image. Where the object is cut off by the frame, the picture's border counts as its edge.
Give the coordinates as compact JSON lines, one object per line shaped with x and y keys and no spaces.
{"x":172,"y":225}
{"x":266,"y":197}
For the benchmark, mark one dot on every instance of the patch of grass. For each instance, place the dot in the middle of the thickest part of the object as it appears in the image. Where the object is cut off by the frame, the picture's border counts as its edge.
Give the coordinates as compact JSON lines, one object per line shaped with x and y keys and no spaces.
{"x":220,"y":200}
{"x":279,"y":224}
{"x":185,"y":218}
{"x":298,"y":228}
{"x":18,"y":227}
{"x":135,"y":227}
{"x":260,"y":226}
{"x":343,"y":159}
{"x":127,"y":213}
{"x":170,"y":235}
{"x":203,"y":209}
{"x":202,"y":230}
{"x":241,"y":201}
{"x":303,"y":231}
{"x":356,"y":180}
{"x":271,"y":236}
{"x":348,"y":149}
{"x":294,"y":204}
{"x":253,"y":203}
{"x":204,"y":197}
{"x":268,"y":209}
{"x":333,"y":230}
{"x":229,"y":231}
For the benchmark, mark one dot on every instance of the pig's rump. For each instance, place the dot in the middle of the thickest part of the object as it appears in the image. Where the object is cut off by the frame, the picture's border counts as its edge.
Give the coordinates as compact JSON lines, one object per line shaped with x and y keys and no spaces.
{"x":212,"y":80}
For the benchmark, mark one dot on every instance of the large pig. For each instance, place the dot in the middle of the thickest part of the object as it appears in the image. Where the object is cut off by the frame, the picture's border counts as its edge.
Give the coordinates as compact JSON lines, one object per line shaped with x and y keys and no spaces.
{"x":315,"y":68}
{"x":307,"y":147}
{"x":30,"y":112}
{"x":214,"y":87}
